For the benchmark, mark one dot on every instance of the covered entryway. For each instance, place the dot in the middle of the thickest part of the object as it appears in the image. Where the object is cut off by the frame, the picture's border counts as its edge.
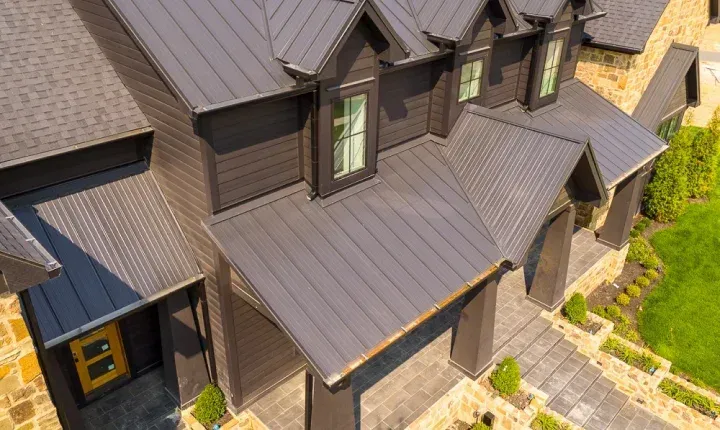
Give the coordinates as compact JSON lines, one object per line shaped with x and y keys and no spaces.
{"x":127,"y":300}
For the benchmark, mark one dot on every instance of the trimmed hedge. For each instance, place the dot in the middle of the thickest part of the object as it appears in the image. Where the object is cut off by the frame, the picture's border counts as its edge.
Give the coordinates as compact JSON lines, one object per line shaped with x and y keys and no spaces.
{"x":506,"y":378}
{"x":210,"y":405}
{"x":575,"y":309}
{"x":622,"y":299}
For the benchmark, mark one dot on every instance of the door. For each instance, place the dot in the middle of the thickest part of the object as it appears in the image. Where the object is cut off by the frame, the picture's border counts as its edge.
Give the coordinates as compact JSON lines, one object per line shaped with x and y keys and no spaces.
{"x":99,"y":357}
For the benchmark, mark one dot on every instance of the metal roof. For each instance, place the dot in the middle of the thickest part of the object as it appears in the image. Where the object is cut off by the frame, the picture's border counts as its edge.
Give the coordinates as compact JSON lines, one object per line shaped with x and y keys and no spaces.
{"x":621,"y":144}
{"x":57,"y":89}
{"x":16,"y":240}
{"x":348,"y":275}
{"x":447,"y":18}
{"x":540,"y":8}
{"x":512,"y":173}
{"x":118,"y":242}
{"x":399,"y":14}
{"x":668,"y":77}
{"x":627,"y":25}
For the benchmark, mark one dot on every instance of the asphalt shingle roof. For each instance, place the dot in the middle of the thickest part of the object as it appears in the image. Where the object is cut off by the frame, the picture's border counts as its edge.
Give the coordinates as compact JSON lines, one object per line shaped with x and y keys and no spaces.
{"x":56,"y":87}
{"x":627,"y":25}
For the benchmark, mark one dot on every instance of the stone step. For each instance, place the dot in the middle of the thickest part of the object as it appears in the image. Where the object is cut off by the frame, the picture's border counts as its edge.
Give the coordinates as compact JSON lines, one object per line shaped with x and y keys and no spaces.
{"x":589,"y":403}
{"x":548,"y":365}
{"x":538,"y":350}
{"x":607,"y":411}
{"x":563,"y":375}
{"x":633,"y":417}
{"x":575,"y":389}
{"x":524,"y":339}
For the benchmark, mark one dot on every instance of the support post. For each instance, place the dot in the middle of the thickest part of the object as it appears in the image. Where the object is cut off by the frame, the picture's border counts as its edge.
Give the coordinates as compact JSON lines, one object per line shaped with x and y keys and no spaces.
{"x":548,"y":285}
{"x":616,"y":231}
{"x":331,"y":408}
{"x":472,"y":349}
{"x":184,"y":363}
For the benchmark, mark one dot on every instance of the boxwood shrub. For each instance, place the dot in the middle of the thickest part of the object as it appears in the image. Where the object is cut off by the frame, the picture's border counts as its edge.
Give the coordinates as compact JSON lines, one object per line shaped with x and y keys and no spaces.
{"x":575,"y":309}
{"x":210,"y":405}
{"x":632,"y":290}
{"x":622,"y":299}
{"x":506,"y":377}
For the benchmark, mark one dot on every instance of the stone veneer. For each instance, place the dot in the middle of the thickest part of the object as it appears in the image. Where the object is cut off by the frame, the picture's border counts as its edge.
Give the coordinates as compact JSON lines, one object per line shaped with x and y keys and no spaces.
{"x":607,"y":269}
{"x":592,"y":217}
{"x":24,"y":399}
{"x":622,"y":78}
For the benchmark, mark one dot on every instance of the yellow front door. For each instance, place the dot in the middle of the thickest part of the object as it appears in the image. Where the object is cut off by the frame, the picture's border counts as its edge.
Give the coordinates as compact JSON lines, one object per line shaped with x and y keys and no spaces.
{"x":99,"y":357}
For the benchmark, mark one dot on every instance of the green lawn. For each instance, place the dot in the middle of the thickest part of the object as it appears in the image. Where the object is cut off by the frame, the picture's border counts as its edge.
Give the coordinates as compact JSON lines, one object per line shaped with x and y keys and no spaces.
{"x":681,"y":317}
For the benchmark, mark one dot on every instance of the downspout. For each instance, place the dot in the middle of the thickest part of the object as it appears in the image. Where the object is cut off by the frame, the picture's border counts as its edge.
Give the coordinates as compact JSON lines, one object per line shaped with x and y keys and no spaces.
{"x":312,"y":187}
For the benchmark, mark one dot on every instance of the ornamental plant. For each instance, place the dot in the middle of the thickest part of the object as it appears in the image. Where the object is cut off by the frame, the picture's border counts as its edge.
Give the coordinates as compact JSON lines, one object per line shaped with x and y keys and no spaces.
{"x":651,"y":262}
{"x":632,"y":290}
{"x":667,"y":193}
{"x":622,"y":299}
{"x":613,"y":312}
{"x":651,"y":274}
{"x":210,"y":405}
{"x":545,"y":421}
{"x":575,"y":309}
{"x":642,"y":282}
{"x":639,"y":250}
{"x":506,"y":378}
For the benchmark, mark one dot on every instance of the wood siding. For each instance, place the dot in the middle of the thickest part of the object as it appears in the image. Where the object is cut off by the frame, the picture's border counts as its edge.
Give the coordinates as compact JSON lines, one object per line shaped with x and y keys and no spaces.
{"x":141,"y":340}
{"x":60,"y":168}
{"x":505,"y":67}
{"x":404,"y":105}
{"x":678,"y":101}
{"x":256,"y":149}
{"x":265,"y":354}
{"x":357,"y":59}
{"x":573,"y":52}
{"x":525,"y":69}
{"x":481,"y":34}
{"x":437,"y":99}
{"x":175,"y":159}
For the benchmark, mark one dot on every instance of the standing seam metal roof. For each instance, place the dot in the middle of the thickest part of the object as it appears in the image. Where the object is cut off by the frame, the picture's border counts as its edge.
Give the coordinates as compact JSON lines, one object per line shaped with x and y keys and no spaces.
{"x":511,"y":173}
{"x":621,"y":144}
{"x":17,"y":241}
{"x":448,"y":18}
{"x":667,"y":79}
{"x":117,"y":240}
{"x":543,"y":8}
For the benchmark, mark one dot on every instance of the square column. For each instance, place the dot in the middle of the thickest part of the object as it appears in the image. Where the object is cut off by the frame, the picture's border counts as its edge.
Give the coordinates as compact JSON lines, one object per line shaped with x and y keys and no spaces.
{"x":329,"y":408}
{"x":472,"y":349}
{"x":548,"y":285}
{"x":616,"y":231}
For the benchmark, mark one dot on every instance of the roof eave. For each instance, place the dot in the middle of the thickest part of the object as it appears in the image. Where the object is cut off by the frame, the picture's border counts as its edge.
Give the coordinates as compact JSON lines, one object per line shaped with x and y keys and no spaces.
{"x":617,"y":48}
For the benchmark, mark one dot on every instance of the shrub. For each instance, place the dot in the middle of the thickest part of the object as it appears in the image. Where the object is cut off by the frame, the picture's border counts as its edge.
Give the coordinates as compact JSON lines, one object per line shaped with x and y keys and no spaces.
{"x":651,"y":262}
{"x":643,"y":361}
{"x":703,"y":162}
{"x":600,"y":311}
{"x":689,"y":398}
{"x":506,"y":378}
{"x":631,"y":335}
{"x":643,"y":224}
{"x":210,"y":405}
{"x":642,"y":282}
{"x":545,"y":421}
{"x":667,"y":193}
{"x":480,"y":426}
{"x":639,"y":250}
{"x":651,"y":274}
{"x":632,"y":290}
{"x":622,"y":299}
{"x":614,"y":312}
{"x":576,"y":309}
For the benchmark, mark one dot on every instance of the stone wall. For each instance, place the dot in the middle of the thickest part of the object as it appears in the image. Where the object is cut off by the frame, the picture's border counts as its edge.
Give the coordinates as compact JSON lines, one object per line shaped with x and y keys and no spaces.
{"x":606,"y":269}
{"x":623,"y":78}
{"x":591,"y":217}
{"x":24,"y":399}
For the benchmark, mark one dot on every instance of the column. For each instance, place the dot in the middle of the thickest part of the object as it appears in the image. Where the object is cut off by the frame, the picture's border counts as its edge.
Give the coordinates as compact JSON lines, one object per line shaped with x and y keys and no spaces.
{"x":331,"y":408}
{"x":548,"y":285}
{"x":472,"y":348}
{"x":616,"y":231}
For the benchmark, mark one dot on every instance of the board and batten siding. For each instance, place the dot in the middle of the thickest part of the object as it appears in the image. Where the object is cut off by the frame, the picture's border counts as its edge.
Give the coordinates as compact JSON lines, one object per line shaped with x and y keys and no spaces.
{"x":175,"y":160}
{"x":404,"y":104}
{"x":505,"y":67}
{"x":257,"y":149}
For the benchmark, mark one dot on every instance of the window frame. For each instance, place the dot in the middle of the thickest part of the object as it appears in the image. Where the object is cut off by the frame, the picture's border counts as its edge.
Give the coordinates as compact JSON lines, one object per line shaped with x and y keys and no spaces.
{"x":364,"y":132}
{"x":673,"y":123}
{"x":554,"y":66}
{"x":479,"y":79}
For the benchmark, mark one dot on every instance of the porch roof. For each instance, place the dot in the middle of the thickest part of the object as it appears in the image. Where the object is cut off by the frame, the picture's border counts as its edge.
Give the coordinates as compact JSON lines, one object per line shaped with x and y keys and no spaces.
{"x":17,"y":241}
{"x":621,"y":144}
{"x":119,"y":245}
{"x":348,"y":275}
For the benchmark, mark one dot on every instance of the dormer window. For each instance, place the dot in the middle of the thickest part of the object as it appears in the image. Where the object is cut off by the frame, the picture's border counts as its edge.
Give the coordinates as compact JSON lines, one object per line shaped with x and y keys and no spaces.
{"x":349,"y":135}
{"x":470,"y":80}
{"x":551,"y":68}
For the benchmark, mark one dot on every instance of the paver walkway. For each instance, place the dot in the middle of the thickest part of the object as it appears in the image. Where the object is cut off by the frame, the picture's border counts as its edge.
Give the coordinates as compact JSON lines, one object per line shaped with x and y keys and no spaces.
{"x":575,"y":387}
{"x":709,"y":75}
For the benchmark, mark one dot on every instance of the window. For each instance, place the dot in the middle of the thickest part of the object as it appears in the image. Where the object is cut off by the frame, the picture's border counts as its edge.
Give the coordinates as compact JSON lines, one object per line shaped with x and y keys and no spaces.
{"x":349,"y":135}
{"x":668,"y":128}
{"x":551,"y":68}
{"x":470,"y":80}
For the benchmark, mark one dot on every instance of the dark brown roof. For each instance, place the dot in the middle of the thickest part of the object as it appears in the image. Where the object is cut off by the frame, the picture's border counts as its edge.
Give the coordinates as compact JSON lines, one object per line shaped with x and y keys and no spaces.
{"x":675,"y":66}
{"x":621,"y":144}
{"x":16,"y":240}
{"x":627,"y":25}
{"x":57,"y":89}
{"x":512,"y":173}
{"x":448,"y":18}
{"x":118,"y":242}
{"x":540,"y":8}
{"x":345,"y":275}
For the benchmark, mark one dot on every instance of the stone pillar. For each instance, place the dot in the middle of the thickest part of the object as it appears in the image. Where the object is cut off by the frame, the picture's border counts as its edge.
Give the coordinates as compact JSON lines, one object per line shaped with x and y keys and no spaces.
{"x":330,"y":408}
{"x":472,"y":349}
{"x":24,"y":397}
{"x":183,"y":360}
{"x":615,"y":233}
{"x":548,"y":285}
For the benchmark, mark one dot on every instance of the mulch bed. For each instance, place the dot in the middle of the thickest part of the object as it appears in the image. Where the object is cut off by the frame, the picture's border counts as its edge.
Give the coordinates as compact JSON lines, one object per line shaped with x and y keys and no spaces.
{"x":519,"y":400}
{"x":589,"y":326}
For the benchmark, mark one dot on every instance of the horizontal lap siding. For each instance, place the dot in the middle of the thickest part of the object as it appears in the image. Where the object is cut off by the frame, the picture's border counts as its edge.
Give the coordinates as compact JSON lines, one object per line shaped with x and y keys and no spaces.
{"x":257,"y":149}
{"x":356,"y":60}
{"x":504,"y":72}
{"x":525,"y":71}
{"x":265,"y":355}
{"x":175,"y":158}
{"x":404,"y":104}
{"x":573,"y":51}
{"x":678,"y":100}
{"x":437,"y":105}
{"x":481,"y":33}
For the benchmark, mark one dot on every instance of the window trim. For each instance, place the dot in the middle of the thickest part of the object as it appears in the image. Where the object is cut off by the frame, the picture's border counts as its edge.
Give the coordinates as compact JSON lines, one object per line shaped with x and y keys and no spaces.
{"x":673,"y":122}
{"x":557,"y":66}
{"x":480,"y":78}
{"x":365,"y":132}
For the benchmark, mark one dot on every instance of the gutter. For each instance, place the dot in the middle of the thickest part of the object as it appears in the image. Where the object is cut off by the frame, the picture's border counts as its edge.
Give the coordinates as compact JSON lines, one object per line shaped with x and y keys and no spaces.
{"x":278,"y":94}
{"x":616,"y":48}
{"x":637,"y":167}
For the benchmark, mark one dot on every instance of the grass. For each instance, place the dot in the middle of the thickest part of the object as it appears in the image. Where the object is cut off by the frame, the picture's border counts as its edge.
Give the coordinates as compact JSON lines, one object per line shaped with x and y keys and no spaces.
{"x":681,"y":317}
